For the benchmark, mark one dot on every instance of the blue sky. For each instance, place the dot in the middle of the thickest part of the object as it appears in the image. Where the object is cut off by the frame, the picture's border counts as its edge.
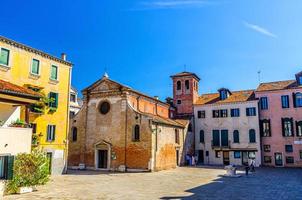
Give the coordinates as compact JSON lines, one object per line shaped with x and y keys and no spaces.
{"x":143,"y":42}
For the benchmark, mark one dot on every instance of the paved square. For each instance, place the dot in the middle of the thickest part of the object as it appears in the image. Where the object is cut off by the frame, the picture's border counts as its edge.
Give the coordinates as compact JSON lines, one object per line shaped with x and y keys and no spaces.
{"x":181,"y":183}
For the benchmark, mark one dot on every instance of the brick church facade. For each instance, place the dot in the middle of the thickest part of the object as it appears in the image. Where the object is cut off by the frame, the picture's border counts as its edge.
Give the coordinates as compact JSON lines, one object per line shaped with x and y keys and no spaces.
{"x":119,"y":128}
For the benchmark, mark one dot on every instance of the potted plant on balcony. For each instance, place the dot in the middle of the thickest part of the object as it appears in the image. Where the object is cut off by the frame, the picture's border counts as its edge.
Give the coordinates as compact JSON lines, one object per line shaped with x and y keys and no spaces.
{"x":19,"y":124}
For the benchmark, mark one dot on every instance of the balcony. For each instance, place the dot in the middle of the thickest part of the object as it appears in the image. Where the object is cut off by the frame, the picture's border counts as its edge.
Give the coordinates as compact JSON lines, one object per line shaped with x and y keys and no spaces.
{"x":222,"y":145}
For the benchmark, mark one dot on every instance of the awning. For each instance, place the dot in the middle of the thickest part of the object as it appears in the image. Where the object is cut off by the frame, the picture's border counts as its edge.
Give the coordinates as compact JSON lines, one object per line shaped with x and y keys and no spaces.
{"x":11,"y":93}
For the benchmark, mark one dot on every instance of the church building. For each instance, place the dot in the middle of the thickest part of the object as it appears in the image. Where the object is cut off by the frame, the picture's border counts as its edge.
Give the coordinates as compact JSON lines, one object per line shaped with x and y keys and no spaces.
{"x":119,"y":128}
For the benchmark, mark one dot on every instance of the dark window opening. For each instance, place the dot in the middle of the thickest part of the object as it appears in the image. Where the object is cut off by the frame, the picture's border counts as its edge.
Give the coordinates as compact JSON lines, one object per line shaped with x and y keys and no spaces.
{"x":178,"y":85}
{"x":263,"y":103}
{"x":187,"y":84}
{"x":236,"y":136}
{"x":201,"y":136}
{"x":289,"y":148}
{"x":104,"y":108}
{"x":136,"y":134}
{"x":74,"y":134}
{"x":252,"y":136}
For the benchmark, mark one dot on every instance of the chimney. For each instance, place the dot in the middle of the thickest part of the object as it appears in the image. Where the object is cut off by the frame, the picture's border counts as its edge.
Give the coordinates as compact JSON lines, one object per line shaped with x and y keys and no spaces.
{"x":63,"y":56}
{"x":156,"y":97}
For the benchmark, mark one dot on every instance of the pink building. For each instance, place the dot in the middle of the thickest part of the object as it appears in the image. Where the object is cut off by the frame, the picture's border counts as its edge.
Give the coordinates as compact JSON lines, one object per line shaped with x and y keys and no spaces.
{"x":280,"y":105}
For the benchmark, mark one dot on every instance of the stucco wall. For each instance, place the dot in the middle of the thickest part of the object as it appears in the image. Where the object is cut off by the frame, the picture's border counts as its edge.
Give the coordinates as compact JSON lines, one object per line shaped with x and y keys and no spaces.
{"x":243,"y":124}
{"x":9,"y":114}
{"x":15,"y":140}
{"x":275,"y":112}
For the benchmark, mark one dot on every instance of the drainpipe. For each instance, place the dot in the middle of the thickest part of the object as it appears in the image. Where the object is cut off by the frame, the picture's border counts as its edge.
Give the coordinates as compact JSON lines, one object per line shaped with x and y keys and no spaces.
{"x":67,"y":119}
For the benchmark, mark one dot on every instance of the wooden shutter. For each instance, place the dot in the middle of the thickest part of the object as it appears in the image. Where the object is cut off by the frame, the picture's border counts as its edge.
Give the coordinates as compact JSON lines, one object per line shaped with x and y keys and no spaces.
{"x":297,"y":129}
{"x":294,"y":100}
{"x":270,"y":128}
{"x":224,"y":138}
{"x":261,"y":128}
{"x":10,"y":167}
{"x":282,"y":124}
{"x":54,"y":132}
{"x":56,"y":99}
{"x":216,"y":138}
{"x":292,"y":126}
{"x":48,"y":133}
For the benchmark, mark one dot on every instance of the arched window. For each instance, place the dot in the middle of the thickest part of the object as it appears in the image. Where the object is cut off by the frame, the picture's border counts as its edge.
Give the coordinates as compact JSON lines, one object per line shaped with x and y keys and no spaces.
{"x":201,"y":136}
{"x":236,"y":136}
{"x":74,"y":134}
{"x":187,"y":84}
{"x":298,"y":99}
{"x":252,"y":135}
{"x":136,"y":133}
{"x":178,"y":85}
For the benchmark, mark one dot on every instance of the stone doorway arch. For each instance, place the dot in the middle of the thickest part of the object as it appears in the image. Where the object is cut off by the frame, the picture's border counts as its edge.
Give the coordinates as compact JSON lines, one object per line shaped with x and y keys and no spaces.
{"x":102,"y":155}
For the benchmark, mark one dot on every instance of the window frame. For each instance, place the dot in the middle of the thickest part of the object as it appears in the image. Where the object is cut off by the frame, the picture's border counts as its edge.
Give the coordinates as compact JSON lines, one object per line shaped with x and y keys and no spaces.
{"x":187,"y":84}
{"x":263,"y":103}
{"x":267,"y":148}
{"x":290,"y":121}
{"x":51,"y":133}
{"x":249,"y":113}
{"x":266,"y":132}
{"x":236,"y":133}
{"x":56,"y":102}
{"x":236,"y":156}
{"x":74,"y":134}
{"x":250,"y":134}
{"x":177,"y":141}
{"x":136,"y":133}
{"x":178,"y":85}
{"x":31,"y":67}
{"x":201,"y":136}
{"x":267,"y":161}
{"x":178,"y":102}
{"x":57,"y":72}
{"x":287,"y":158}
{"x":235,"y":114}
{"x":201,"y":114}
{"x":287,"y":149}
{"x":8,"y":58}
{"x":299,"y":128}
{"x":296,"y":105}
{"x":286,"y":97}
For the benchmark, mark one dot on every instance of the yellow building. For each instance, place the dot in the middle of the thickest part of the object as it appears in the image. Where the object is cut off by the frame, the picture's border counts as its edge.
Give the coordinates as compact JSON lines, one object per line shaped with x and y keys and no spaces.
{"x":49,"y":76}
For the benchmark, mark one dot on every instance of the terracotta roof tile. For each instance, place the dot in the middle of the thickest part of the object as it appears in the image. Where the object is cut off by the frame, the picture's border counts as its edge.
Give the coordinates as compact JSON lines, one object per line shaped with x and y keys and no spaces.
{"x":12,"y":89}
{"x":277,"y":85}
{"x":236,"y":96}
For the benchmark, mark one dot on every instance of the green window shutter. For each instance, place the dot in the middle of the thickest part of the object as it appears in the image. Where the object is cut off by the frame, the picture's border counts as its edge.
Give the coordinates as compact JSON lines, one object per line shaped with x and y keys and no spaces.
{"x":54,"y":132}
{"x":56,"y":99}
{"x":35,"y":66}
{"x":4,"y":56}
{"x":54,"y":72}
{"x":10,"y":167}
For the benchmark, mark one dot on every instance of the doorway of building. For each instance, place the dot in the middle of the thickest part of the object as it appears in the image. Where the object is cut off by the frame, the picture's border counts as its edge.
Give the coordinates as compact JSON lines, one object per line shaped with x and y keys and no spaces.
{"x":49,"y":157}
{"x":245,"y":158}
{"x":177,"y":157}
{"x":200,"y":157}
{"x":102,"y":159}
{"x":226,"y":158}
{"x":278,"y":159}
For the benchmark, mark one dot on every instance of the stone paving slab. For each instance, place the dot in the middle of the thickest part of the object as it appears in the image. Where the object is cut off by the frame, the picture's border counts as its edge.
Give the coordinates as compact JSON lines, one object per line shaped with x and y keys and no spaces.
{"x":204,"y":183}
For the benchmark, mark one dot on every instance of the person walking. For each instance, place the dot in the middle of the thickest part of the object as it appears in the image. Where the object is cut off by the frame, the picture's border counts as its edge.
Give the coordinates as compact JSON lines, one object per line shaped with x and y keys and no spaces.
{"x":253,"y":163}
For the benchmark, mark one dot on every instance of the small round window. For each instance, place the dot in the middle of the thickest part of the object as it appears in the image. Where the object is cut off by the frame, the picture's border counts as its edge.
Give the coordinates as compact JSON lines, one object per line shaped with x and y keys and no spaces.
{"x":104,"y":108}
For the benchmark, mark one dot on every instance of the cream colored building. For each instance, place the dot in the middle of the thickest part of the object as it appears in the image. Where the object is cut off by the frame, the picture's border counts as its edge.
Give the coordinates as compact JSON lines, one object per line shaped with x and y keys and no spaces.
{"x":75,"y":102}
{"x":227,"y":128}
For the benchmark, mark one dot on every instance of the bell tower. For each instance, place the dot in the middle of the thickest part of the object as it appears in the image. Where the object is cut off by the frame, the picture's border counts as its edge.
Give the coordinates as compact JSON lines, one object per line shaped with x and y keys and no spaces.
{"x":185,"y":93}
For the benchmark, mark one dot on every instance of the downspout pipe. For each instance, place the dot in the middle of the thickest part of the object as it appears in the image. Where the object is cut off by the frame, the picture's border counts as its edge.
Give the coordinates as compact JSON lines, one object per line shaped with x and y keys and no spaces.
{"x":126,"y":130}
